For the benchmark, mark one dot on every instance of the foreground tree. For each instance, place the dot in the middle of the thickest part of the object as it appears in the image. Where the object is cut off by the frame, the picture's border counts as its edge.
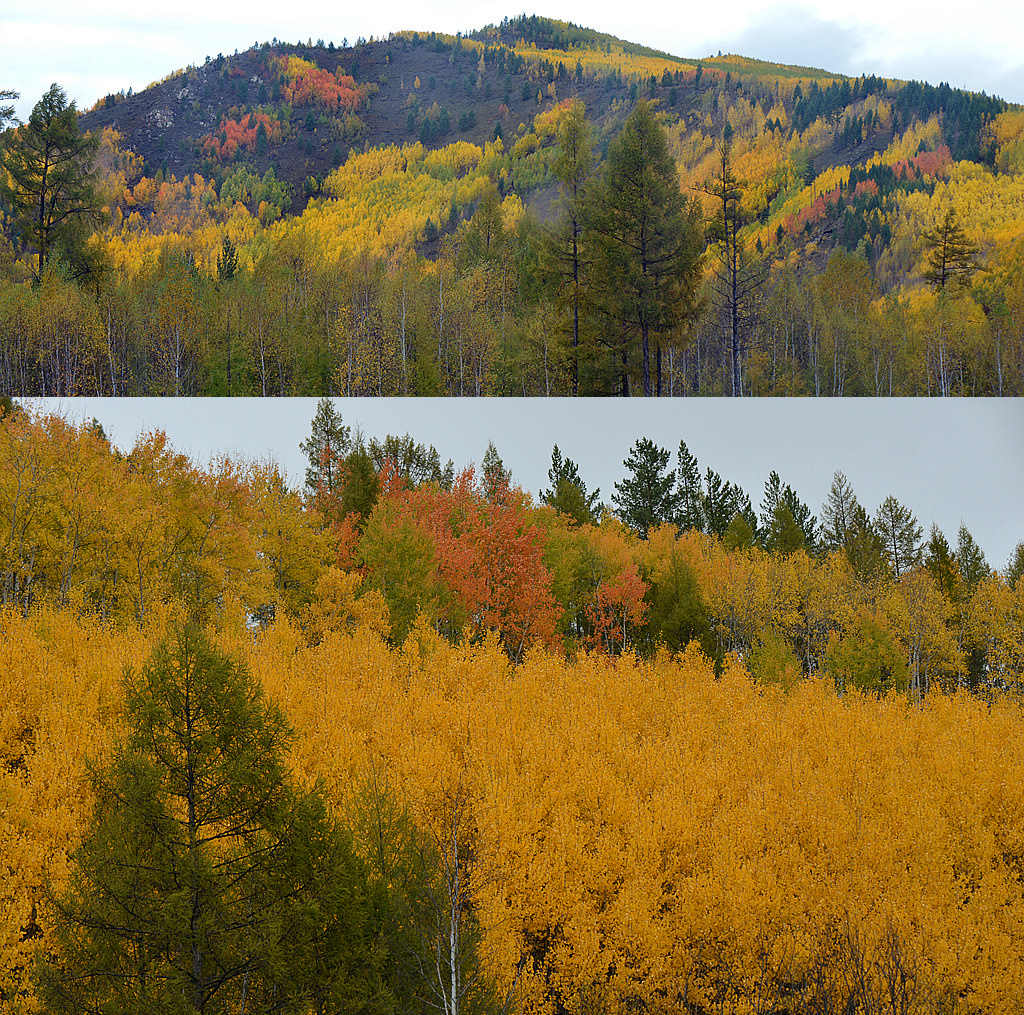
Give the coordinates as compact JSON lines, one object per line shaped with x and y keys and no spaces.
{"x":48,"y":183}
{"x":207,"y":882}
{"x":648,"y":246}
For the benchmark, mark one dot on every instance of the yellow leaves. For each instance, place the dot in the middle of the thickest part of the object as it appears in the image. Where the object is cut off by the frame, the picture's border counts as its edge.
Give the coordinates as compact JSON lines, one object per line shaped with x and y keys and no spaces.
{"x":1007,"y":132}
{"x":337,"y":605}
{"x":525,"y":145}
{"x":642,"y":817}
{"x":455,"y":159}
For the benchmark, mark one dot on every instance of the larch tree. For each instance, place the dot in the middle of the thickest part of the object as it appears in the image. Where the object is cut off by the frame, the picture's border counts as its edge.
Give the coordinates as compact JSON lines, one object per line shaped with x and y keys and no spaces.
{"x":737,"y":278}
{"x":206,"y":881}
{"x":900,"y":533}
{"x":48,"y":182}
{"x":949,"y":254}
{"x":565,"y":246}
{"x":647,"y":247}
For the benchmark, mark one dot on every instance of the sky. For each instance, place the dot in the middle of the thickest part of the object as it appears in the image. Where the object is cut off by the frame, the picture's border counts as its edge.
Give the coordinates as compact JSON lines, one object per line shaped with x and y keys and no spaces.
{"x":951,"y":461}
{"x":93,"y":47}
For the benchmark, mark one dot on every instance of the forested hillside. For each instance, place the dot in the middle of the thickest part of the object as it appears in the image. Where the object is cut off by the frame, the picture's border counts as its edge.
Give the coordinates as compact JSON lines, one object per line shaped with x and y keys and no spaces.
{"x":405,"y":737}
{"x":427,"y":214}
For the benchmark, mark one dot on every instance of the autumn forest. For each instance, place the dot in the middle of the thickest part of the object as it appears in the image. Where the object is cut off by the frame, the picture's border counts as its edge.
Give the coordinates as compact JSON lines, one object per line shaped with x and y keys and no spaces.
{"x":530,"y":209}
{"x":405,"y":739}
{"x":304,"y":714}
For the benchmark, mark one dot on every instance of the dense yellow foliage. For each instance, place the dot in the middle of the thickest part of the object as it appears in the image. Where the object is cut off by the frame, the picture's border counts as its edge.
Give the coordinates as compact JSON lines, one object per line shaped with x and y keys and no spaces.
{"x":649,"y":834}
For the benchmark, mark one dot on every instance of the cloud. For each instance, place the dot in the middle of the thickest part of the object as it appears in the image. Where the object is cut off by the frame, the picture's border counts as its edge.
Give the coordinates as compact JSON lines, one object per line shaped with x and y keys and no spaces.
{"x":797,"y":35}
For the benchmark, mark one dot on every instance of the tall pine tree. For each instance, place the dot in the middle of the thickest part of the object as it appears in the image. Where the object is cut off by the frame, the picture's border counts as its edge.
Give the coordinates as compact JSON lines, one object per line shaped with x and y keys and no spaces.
{"x":647,"y":248}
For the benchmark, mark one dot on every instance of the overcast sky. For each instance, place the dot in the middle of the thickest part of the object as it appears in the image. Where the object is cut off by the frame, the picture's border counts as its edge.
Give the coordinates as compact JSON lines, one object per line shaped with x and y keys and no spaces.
{"x":93,"y":47}
{"x":950,"y":460}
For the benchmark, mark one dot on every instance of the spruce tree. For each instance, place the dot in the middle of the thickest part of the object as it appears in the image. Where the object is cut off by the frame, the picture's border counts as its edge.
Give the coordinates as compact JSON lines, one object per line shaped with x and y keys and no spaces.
{"x":647,"y":497}
{"x":782,"y":533}
{"x":970,"y":559}
{"x":939,"y":560}
{"x":7,"y":108}
{"x":865,"y":548}
{"x":837,"y":513}
{"x":722,"y":500}
{"x":900,"y":534}
{"x":691,"y":500}
{"x":739,"y":535}
{"x":496,"y":478}
{"x":1015,"y":565}
{"x":568,"y":493}
{"x":360,"y":485}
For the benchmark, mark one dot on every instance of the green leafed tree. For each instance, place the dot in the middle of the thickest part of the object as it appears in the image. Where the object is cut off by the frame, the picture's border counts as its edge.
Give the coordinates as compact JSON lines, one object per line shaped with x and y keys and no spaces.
{"x":970,"y":559}
{"x":325,"y":448}
{"x":207,"y":882}
{"x":496,"y":478}
{"x":737,"y":277}
{"x":647,"y":496}
{"x":360,"y":484}
{"x":782,"y":533}
{"x":941,"y":564}
{"x":865,"y":547}
{"x":949,"y":255}
{"x":568,"y":493}
{"x":1015,"y":566}
{"x":900,"y":533}
{"x":565,"y":247}
{"x":647,"y":248}
{"x":48,"y":183}
{"x":691,"y":495}
{"x":7,"y":95}
{"x":722,"y":501}
{"x":837,"y":513}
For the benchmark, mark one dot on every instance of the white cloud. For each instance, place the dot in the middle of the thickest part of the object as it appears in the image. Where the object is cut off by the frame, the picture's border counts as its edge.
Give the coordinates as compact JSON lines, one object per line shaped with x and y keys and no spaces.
{"x":94,"y":47}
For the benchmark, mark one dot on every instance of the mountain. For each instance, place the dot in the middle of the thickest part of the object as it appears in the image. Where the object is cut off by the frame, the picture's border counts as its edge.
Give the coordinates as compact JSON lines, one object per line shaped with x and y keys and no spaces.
{"x":373,"y":219}
{"x":497,"y":77}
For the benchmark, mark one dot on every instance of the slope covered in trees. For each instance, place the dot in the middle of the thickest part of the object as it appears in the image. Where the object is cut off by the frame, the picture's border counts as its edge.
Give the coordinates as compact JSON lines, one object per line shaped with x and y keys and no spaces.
{"x":388,"y":218}
{"x":518,"y":755}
